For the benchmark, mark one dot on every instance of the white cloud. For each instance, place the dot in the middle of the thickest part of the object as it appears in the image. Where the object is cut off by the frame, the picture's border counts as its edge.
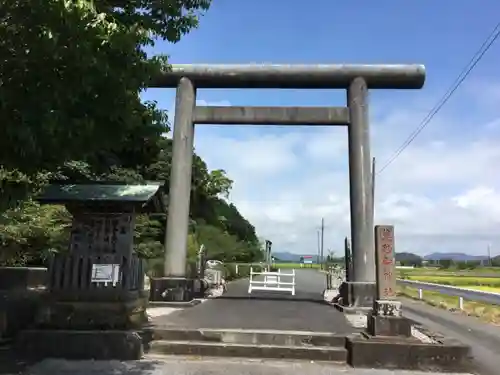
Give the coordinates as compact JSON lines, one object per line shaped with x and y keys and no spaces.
{"x":442,"y":193}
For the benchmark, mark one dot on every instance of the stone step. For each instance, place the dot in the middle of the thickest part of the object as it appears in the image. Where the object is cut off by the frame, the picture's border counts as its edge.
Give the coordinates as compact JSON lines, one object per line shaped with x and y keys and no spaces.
{"x":220,"y":349}
{"x":245,"y":336}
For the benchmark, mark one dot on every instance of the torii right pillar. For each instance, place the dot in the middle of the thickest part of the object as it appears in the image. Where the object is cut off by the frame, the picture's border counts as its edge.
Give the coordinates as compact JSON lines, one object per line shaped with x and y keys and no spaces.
{"x":359,"y":290}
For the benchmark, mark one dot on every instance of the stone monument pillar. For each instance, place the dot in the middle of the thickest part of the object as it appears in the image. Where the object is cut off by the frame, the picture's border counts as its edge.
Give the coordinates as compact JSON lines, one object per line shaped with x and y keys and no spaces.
{"x":386,"y":318}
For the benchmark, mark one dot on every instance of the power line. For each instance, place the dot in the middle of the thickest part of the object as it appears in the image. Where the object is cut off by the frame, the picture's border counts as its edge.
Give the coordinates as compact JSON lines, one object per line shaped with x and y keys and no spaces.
{"x":492,"y":37}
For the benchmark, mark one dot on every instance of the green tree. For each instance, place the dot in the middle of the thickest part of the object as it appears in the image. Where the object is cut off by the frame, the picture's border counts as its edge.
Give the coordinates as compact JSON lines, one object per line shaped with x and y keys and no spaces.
{"x":70,"y":81}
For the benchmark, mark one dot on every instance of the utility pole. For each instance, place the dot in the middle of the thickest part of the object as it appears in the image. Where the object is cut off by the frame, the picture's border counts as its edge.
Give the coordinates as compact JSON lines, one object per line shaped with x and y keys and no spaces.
{"x":373,"y":191}
{"x":489,"y":255}
{"x":318,"y":235}
{"x":322,"y":240}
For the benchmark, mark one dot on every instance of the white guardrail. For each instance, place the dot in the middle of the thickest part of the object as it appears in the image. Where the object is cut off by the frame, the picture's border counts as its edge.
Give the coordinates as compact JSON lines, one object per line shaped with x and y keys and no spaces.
{"x":272,"y":281}
{"x":461,"y":293}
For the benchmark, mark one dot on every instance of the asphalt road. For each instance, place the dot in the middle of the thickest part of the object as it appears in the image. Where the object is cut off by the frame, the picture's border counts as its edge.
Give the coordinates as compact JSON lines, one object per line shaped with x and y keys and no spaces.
{"x":483,"y":338}
{"x":306,"y":311}
{"x":309,"y":285}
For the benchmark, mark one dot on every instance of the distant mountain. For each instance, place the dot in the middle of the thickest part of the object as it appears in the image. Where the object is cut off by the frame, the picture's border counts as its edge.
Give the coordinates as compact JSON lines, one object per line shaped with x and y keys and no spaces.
{"x":408,"y":257}
{"x":400,"y":257}
{"x":460,"y":257}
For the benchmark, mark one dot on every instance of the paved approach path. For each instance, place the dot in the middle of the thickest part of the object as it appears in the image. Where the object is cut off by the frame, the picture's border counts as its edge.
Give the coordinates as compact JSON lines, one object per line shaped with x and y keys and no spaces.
{"x":306,"y":311}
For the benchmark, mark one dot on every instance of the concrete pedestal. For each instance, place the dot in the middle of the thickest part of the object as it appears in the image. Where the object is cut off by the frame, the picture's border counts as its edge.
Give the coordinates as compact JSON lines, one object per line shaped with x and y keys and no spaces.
{"x":401,"y":353}
{"x":356,"y":296}
{"x":388,"y":343}
{"x":174,"y":289}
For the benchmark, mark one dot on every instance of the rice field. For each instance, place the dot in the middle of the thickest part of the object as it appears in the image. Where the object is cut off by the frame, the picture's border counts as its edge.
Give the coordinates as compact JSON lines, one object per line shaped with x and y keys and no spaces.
{"x":484,"y":281}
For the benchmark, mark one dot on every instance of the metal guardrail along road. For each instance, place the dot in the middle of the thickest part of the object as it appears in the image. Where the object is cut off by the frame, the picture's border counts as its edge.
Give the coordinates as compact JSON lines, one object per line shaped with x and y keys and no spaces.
{"x":461,"y":293}
{"x":272,"y":282}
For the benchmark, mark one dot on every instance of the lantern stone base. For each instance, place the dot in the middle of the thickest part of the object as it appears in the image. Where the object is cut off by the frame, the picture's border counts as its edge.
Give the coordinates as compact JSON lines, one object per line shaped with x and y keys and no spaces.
{"x":39,"y":344}
{"x":89,"y":315}
{"x":87,"y":329}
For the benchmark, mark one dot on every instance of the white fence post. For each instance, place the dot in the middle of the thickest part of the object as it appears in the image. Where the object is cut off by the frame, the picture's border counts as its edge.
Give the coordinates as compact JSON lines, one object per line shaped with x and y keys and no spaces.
{"x":250,"y":283}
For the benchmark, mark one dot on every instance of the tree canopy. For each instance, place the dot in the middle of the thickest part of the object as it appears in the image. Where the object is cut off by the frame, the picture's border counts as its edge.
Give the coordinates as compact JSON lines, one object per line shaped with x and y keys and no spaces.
{"x":71,"y":76}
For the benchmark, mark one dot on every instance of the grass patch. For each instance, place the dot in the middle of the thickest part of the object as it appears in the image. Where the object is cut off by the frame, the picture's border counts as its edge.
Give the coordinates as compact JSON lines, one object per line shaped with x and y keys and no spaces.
{"x":485,"y":312}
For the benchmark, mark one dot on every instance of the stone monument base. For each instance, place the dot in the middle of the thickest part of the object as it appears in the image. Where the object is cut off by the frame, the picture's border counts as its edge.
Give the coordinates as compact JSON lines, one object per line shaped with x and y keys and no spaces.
{"x":174,"y":289}
{"x":356,"y":297}
{"x":388,"y":326}
{"x":386,"y":319}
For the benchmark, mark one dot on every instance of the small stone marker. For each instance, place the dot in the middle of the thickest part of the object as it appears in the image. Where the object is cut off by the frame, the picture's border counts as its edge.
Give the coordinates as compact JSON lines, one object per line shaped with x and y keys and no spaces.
{"x":385,"y":262}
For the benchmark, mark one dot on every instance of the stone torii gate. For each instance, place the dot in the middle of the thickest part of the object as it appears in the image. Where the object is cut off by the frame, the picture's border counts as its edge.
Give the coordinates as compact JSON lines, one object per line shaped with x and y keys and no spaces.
{"x":355,"y":79}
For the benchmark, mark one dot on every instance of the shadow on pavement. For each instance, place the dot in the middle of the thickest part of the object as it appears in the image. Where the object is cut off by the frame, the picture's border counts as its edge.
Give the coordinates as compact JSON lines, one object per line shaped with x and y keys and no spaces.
{"x":10,"y":363}
{"x":62,"y":367}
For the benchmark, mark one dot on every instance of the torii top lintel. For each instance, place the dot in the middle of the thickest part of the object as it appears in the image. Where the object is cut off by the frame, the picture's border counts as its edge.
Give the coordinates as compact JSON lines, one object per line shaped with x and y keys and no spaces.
{"x":269,"y":76}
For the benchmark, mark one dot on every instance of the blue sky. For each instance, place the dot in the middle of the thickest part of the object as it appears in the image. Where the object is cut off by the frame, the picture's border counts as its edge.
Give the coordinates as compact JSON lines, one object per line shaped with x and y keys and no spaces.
{"x":441,"y":193}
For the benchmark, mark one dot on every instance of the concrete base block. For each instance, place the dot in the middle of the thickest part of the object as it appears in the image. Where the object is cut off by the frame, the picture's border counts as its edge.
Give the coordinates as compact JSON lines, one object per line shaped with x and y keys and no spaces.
{"x":215,"y":349}
{"x":174,"y":289}
{"x":248,"y":337}
{"x":388,"y":326}
{"x":357,"y":294}
{"x":401,"y":353}
{"x":72,"y":344}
